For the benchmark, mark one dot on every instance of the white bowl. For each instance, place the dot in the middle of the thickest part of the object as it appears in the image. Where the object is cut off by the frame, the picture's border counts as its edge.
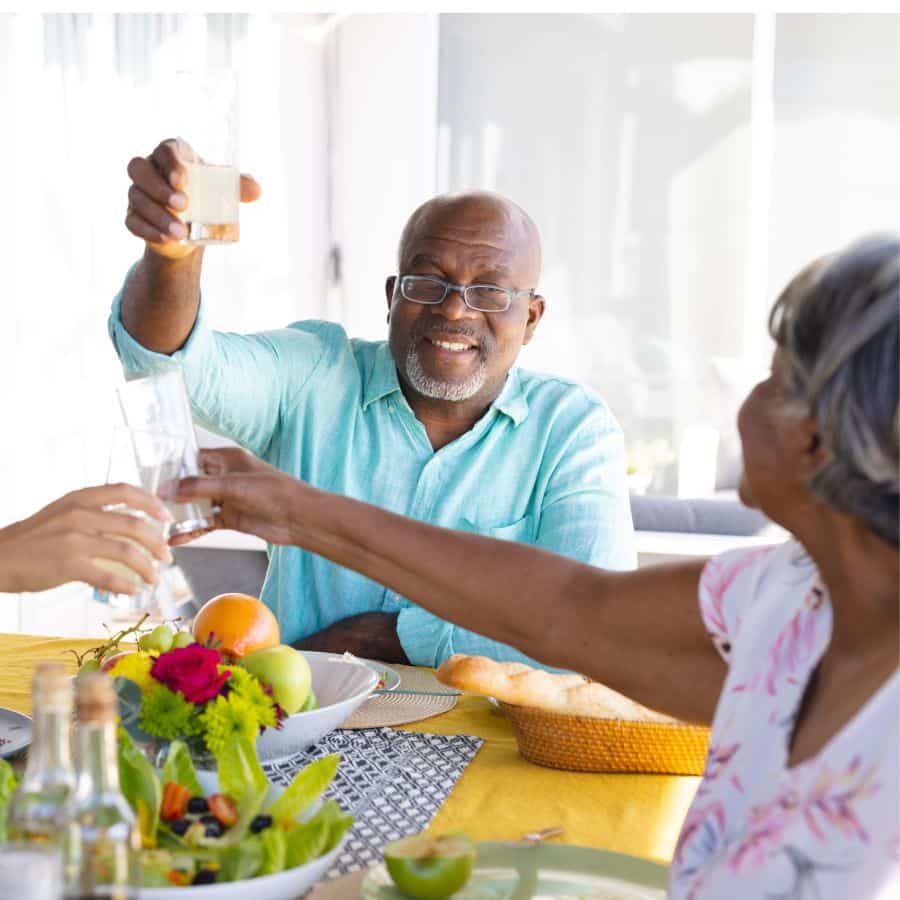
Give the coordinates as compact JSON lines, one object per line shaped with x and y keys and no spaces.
{"x":284,"y":885}
{"x":341,"y":684}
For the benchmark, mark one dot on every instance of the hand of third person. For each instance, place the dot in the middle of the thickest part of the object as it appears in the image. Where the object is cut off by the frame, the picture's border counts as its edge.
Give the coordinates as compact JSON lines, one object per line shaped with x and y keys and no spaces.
{"x":63,"y":541}
{"x":157,"y":196}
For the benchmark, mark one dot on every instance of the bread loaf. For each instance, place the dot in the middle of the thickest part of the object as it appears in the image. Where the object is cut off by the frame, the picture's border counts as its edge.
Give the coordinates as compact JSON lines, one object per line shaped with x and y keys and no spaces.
{"x":516,"y":683}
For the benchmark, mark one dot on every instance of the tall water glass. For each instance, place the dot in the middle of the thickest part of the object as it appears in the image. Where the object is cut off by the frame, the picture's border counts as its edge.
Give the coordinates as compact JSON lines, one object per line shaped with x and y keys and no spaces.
{"x":159,"y":403}
{"x":206,"y":111}
{"x":151,"y":460}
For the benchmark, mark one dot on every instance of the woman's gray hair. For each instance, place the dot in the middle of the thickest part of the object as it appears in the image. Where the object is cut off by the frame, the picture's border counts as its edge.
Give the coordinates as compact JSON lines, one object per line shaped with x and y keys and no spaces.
{"x":837,"y":327}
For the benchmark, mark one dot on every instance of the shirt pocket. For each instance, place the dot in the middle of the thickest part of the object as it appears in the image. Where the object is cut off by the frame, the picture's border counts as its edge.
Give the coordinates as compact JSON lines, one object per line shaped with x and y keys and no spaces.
{"x":520,"y":531}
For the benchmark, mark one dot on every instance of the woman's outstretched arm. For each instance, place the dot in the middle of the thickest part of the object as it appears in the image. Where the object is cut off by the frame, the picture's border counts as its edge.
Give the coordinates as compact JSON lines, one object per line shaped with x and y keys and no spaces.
{"x":638,"y":632}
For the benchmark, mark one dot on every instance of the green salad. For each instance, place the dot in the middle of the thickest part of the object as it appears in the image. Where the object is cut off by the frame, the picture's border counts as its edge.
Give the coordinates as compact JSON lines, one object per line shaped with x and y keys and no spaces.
{"x":239,"y":832}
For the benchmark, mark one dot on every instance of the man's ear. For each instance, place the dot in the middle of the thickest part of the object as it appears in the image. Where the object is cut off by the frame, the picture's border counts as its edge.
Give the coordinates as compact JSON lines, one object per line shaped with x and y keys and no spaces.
{"x":535,"y":314}
{"x":389,"y":284}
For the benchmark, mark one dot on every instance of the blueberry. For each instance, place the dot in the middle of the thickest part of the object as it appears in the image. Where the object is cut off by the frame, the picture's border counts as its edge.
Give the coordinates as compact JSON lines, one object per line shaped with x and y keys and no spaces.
{"x":180,"y":826}
{"x":213,"y":830}
{"x":209,"y":820}
{"x":259,"y":823}
{"x":198,"y":805}
{"x":204,"y":876}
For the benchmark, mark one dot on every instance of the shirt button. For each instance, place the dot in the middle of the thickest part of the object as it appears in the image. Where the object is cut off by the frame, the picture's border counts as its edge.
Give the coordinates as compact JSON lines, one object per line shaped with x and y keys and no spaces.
{"x":391,"y":408}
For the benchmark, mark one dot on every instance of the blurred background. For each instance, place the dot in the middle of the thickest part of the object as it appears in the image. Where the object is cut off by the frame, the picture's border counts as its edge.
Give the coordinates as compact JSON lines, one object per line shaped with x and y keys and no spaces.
{"x":680,"y":169}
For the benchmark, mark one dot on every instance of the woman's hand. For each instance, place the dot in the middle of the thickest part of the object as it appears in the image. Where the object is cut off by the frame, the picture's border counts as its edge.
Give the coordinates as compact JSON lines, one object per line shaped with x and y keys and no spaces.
{"x":63,"y":541}
{"x":250,"y":495}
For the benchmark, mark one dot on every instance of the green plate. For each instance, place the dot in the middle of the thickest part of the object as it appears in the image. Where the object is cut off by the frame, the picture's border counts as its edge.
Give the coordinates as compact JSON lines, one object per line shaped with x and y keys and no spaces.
{"x":545,"y":872}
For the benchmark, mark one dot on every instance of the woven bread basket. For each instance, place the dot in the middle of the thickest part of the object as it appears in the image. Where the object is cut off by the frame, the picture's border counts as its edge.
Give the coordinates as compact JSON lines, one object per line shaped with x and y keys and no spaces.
{"x":583,"y":744}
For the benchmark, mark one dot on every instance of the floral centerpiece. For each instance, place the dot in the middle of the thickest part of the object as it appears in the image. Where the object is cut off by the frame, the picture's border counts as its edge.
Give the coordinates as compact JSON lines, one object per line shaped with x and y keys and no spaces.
{"x":190,"y":693}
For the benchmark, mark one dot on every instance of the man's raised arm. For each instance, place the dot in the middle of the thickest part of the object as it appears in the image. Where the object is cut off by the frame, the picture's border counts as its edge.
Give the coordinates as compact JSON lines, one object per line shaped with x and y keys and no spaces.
{"x":162,"y":294}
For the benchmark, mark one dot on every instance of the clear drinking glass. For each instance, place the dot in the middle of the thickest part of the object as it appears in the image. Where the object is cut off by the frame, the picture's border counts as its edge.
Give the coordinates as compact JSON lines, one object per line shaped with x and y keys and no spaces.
{"x":159,"y":403}
{"x":151,"y":460}
{"x":206,"y":110}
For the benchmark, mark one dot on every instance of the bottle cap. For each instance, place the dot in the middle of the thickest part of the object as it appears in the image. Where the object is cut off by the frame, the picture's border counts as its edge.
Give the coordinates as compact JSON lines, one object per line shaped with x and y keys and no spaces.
{"x":95,"y":698}
{"x":51,"y":686}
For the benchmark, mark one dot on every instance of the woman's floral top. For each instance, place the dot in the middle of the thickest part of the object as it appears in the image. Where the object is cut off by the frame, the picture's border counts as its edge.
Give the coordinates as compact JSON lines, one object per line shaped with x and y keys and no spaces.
{"x":830,"y":826}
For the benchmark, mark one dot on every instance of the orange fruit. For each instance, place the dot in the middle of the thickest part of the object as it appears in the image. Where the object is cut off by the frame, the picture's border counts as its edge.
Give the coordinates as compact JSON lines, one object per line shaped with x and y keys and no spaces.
{"x":236,"y":624}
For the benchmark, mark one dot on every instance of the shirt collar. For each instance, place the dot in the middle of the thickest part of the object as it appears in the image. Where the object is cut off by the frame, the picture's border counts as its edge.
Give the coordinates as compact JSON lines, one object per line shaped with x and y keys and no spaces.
{"x":382,"y":377}
{"x":382,"y":381}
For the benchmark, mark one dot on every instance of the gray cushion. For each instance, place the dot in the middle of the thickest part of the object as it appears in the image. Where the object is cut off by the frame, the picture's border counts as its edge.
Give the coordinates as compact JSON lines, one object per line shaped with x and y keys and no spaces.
{"x":696,"y":516}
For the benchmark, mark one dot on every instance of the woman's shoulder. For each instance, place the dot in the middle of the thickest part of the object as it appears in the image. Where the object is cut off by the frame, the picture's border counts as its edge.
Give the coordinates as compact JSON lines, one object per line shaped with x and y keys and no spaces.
{"x":749,"y":583}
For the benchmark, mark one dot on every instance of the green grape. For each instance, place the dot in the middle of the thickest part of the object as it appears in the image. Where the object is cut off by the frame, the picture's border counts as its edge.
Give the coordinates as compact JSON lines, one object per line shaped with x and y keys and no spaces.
{"x":183,"y":639}
{"x":159,"y":640}
{"x":89,"y":665}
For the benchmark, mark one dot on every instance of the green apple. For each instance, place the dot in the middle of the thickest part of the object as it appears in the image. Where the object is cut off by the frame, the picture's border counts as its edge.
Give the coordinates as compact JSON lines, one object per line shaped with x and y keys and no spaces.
{"x":430,"y":868}
{"x":286,"y":670}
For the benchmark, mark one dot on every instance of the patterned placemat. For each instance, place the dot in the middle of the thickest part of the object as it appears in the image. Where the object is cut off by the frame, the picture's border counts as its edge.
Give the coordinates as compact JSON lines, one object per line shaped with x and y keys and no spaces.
{"x":392,"y":782}
{"x":405,"y":705}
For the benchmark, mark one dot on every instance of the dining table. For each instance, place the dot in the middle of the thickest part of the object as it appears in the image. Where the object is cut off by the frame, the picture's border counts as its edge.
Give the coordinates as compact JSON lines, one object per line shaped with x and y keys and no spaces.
{"x":499,"y":796}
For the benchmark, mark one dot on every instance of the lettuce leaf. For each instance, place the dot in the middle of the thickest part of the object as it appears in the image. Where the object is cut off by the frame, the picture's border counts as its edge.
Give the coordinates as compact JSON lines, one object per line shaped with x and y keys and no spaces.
{"x":8,"y":782}
{"x":242,"y":861}
{"x":308,"y":785}
{"x":306,"y":841}
{"x":338,"y":822}
{"x":274,"y":849}
{"x":140,"y":786}
{"x":179,"y":767}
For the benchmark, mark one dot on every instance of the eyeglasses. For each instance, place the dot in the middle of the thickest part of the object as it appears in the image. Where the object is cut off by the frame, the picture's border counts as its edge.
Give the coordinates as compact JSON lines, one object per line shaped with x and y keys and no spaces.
{"x":432,"y":291}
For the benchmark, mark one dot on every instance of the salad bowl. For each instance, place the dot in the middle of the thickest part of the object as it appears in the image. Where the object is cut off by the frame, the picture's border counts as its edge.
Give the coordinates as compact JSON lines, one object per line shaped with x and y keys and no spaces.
{"x":341,"y":684}
{"x":320,"y":826}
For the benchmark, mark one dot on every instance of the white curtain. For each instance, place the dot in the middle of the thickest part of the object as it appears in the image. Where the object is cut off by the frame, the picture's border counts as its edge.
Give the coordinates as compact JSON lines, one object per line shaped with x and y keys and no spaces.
{"x":79,"y":96}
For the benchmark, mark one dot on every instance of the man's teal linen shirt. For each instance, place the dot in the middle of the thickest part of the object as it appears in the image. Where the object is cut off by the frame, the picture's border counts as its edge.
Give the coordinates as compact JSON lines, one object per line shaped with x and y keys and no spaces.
{"x":545,"y":465}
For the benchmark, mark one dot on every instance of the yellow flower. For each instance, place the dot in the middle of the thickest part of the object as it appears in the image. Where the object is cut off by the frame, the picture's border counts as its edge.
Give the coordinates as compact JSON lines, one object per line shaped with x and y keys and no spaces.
{"x":135,"y":667}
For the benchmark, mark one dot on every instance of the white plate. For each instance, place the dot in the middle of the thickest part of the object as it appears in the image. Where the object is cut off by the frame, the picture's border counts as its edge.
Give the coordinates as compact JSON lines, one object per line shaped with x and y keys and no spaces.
{"x":549,"y":871}
{"x":282,"y":886}
{"x":391,"y":678}
{"x":15,"y":732}
{"x":341,"y":684}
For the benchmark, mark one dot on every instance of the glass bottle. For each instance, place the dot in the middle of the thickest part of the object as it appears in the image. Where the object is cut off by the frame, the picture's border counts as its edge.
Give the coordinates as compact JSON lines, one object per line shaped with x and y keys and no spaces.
{"x":41,"y":810}
{"x":106,"y":838}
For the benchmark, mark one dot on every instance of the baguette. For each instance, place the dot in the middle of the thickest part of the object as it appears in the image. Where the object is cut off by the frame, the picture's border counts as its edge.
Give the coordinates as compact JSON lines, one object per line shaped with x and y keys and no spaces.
{"x":521,"y":685}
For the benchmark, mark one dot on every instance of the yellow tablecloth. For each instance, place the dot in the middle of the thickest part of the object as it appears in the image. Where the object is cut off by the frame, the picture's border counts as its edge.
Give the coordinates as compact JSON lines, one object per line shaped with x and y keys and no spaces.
{"x":500,"y":796}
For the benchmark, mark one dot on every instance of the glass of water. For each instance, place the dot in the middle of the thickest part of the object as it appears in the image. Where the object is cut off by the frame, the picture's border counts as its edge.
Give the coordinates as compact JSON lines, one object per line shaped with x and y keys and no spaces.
{"x":206,"y":107}
{"x":159,"y":403}
{"x":151,"y":460}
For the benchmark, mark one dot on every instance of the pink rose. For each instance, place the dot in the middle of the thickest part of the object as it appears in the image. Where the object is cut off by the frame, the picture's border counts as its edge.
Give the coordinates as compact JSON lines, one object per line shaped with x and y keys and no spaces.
{"x":191,"y":671}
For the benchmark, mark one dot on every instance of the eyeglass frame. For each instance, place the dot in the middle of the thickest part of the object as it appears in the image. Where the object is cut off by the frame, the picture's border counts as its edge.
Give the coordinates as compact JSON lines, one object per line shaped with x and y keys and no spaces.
{"x":462,"y":290}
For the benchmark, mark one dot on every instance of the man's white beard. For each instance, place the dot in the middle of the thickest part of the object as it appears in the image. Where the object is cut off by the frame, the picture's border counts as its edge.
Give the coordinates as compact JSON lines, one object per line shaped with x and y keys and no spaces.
{"x":442,"y":390}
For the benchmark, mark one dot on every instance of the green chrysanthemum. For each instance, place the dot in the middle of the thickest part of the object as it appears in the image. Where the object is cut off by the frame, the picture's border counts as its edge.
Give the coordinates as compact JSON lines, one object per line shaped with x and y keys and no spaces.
{"x":167,"y":715}
{"x":227,"y":721}
{"x":248,"y":688}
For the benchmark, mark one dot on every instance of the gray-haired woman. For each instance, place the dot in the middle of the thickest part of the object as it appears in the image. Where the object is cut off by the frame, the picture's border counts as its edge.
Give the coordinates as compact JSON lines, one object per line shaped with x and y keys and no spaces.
{"x":799,"y":680}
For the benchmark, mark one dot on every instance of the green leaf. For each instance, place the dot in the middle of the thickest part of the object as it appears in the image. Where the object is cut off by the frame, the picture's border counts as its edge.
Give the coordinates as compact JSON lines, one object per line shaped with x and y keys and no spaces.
{"x":243,"y":861}
{"x":140,"y":786}
{"x":338,"y":822}
{"x":179,"y":767}
{"x":8,"y":782}
{"x":306,"y":841}
{"x":274,"y":850}
{"x":240,"y":773}
{"x":307,"y":786}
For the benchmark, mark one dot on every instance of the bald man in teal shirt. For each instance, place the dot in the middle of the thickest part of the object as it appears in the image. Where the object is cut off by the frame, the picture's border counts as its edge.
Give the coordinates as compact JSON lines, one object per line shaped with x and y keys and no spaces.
{"x":436,"y":423}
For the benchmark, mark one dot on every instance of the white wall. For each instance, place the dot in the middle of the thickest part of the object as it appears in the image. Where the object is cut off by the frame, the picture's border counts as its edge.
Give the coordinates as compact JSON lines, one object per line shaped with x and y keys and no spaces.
{"x":385,"y":122}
